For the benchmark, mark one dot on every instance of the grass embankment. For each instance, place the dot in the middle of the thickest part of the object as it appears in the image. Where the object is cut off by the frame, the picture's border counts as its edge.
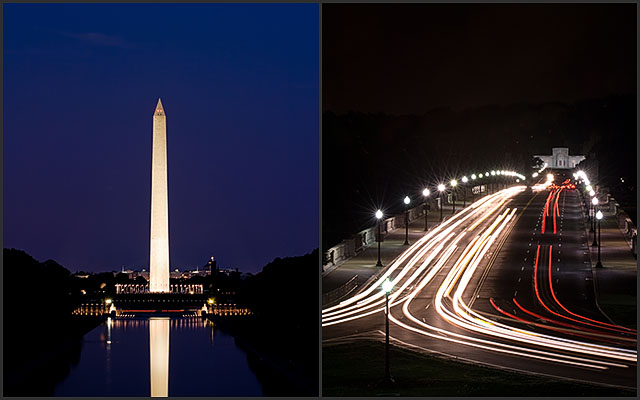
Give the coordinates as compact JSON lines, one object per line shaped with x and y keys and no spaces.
{"x":357,"y":370}
{"x":621,"y":308}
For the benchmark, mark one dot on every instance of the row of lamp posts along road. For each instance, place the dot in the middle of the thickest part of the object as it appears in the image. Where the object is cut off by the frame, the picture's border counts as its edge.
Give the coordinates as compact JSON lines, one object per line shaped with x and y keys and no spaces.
{"x":425,"y":194}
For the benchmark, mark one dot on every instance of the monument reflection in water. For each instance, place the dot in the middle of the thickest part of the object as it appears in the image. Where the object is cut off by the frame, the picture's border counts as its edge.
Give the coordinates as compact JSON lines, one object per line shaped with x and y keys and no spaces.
{"x":159,"y":356}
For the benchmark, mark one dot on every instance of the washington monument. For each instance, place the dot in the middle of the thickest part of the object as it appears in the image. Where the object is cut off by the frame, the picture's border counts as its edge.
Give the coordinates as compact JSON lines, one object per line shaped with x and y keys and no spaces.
{"x":159,"y":253}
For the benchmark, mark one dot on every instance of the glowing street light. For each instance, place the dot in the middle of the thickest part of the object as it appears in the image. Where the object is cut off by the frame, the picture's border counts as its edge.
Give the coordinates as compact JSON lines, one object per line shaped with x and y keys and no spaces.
{"x":378,"y":218}
{"x":592,"y":225}
{"x":464,"y":191}
{"x":599,"y":217}
{"x":473,"y":177}
{"x":441,"y":189}
{"x":387,"y":286}
{"x":534,"y":175}
{"x":426,"y":194}
{"x":407,"y":200}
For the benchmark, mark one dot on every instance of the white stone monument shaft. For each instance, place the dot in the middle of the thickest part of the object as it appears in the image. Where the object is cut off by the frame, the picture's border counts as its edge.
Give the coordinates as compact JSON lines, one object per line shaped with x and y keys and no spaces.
{"x":159,"y":248}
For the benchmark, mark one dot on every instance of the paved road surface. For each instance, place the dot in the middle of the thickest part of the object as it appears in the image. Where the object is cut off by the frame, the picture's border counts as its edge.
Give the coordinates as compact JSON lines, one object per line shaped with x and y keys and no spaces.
{"x":488,"y":286}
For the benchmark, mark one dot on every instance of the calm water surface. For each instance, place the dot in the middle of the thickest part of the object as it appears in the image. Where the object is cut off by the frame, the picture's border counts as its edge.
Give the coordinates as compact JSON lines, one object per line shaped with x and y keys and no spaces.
{"x":160,"y":356}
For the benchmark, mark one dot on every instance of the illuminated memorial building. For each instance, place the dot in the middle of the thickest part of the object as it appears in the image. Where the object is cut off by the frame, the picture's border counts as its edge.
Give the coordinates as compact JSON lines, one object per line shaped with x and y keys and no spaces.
{"x":560,"y":159}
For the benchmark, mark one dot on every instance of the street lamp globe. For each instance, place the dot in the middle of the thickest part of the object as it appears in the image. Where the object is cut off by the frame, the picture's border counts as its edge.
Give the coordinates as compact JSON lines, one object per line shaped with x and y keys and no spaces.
{"x":550,"y":177}
{"x":592,"y":193}
{"x":407,"y":200}
{"x":453,"y":183}
{"x":599,"y":215}
{"x":589,"y":188}
{"x":481,"y":175}
{"x":493,"y":173}
{"x":379,"y":214}
{"x":426,"y":192}
{"x":387,"y":285}
{"x":594,"y":201}
{"x":473,"y":176}
{"x":441,"y":187}
{"x":465,"y":179}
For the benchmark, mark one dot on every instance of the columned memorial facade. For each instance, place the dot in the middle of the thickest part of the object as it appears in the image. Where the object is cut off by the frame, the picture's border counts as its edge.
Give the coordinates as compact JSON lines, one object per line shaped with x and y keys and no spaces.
{"x":560,"y":159}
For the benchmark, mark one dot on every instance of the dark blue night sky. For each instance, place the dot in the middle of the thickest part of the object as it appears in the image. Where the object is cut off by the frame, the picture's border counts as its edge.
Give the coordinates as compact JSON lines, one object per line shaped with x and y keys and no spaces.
{"x":239,"y":84}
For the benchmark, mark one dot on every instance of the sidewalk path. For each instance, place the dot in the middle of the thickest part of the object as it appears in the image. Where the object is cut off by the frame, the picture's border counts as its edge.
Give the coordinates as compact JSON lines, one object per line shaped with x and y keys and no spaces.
{"x":364,"y":263}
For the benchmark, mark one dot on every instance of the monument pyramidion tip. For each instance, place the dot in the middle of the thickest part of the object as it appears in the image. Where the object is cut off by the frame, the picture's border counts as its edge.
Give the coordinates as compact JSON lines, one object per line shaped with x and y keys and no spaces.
{"x":159,"y":109}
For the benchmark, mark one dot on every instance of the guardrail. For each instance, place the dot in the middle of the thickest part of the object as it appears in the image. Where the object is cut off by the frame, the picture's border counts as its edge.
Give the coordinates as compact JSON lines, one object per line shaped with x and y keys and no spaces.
{"x":625,"y":224}
{"x":340,"y":292}
{"x":363,"y":239}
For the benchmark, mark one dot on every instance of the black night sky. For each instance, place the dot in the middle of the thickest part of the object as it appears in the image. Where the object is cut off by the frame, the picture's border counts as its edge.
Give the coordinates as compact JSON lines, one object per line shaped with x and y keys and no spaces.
{"x":239,"y":84}
{"x":410,"y":58}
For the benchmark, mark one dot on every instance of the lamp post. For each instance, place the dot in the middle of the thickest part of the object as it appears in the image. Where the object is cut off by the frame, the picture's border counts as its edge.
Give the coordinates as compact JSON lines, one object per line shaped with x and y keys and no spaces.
{"x":599,"y":217}
{"x":464,"y":191}
{"x":592,"y":213}
{"x":453,"y":183}
{"x":493,"y":181}
{"x":441,"y":188}
{"x":594,"y":202}
{"x":379,"y":217}
{"x":473,"y":195}
{"x":386,"y":287}
{"x":426,"y":194}
{"x":407,"y":200}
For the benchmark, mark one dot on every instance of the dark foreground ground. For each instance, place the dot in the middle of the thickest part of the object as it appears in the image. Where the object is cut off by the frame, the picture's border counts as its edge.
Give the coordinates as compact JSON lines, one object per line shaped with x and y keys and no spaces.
{"x":357,"y":369}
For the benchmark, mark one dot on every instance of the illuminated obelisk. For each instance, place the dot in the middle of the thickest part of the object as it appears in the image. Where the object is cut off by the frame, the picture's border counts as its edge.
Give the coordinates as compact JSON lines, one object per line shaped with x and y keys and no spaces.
{"x":159,"y":249}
